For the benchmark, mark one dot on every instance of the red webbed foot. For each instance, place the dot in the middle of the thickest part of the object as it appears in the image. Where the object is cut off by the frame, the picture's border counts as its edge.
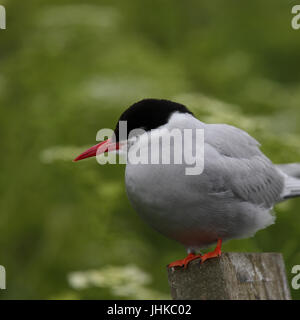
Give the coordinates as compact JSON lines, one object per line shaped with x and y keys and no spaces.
{"x":214,"y":254}
{"x":184,"y":262}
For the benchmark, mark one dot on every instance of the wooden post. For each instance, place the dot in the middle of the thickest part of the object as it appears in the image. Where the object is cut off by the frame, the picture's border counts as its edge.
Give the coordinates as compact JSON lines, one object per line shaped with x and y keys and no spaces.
{"x":233,"y":276}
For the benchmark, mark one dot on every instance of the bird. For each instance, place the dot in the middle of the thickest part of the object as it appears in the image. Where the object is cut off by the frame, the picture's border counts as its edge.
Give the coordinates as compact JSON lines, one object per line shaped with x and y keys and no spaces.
{"x":232,"y":198}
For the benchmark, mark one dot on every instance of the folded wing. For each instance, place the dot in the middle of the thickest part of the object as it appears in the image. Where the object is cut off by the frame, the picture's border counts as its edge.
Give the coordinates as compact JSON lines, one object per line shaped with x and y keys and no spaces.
{"x":237,"y":163}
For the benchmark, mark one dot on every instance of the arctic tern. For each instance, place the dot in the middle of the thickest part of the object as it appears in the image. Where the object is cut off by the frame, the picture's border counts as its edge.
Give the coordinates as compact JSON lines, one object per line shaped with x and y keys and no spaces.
{"x":232,"y":198}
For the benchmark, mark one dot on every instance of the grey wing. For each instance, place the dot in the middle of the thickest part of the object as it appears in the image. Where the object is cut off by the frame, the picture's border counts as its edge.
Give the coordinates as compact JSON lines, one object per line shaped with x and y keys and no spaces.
{"x":242,"y":169}
{"x":231,"y":141}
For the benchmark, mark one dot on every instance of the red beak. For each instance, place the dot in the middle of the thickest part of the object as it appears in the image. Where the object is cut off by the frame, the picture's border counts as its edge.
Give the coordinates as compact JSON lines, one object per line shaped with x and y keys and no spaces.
{"x":99,"y":148}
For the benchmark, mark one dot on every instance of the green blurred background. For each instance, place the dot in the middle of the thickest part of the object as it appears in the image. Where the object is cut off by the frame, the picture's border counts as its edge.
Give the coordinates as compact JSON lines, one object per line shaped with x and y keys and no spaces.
{"x":68,"y":69}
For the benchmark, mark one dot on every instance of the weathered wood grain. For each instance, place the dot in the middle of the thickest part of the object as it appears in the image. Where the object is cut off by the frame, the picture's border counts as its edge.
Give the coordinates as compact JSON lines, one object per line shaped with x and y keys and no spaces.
{"x":233,"y":276}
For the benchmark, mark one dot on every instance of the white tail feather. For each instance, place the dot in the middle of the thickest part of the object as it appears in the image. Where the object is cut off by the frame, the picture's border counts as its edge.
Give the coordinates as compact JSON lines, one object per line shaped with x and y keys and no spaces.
{"x":291,"y":169}
{"x":291,"y":188}
{"x":291,"y":174}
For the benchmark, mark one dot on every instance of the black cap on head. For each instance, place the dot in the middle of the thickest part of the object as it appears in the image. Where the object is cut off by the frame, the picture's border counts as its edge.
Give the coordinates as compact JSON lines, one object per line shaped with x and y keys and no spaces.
{"x":149,"y":114}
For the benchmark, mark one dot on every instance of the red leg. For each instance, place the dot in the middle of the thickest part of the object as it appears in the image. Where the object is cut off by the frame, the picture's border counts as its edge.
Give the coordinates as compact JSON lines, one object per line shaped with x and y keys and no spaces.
{"x":184,"y":262}
{"x":214,"y":254}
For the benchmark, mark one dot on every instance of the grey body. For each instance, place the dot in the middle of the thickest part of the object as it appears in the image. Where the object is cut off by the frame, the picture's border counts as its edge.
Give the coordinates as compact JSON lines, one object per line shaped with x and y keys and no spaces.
{"x":232,"y":198}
